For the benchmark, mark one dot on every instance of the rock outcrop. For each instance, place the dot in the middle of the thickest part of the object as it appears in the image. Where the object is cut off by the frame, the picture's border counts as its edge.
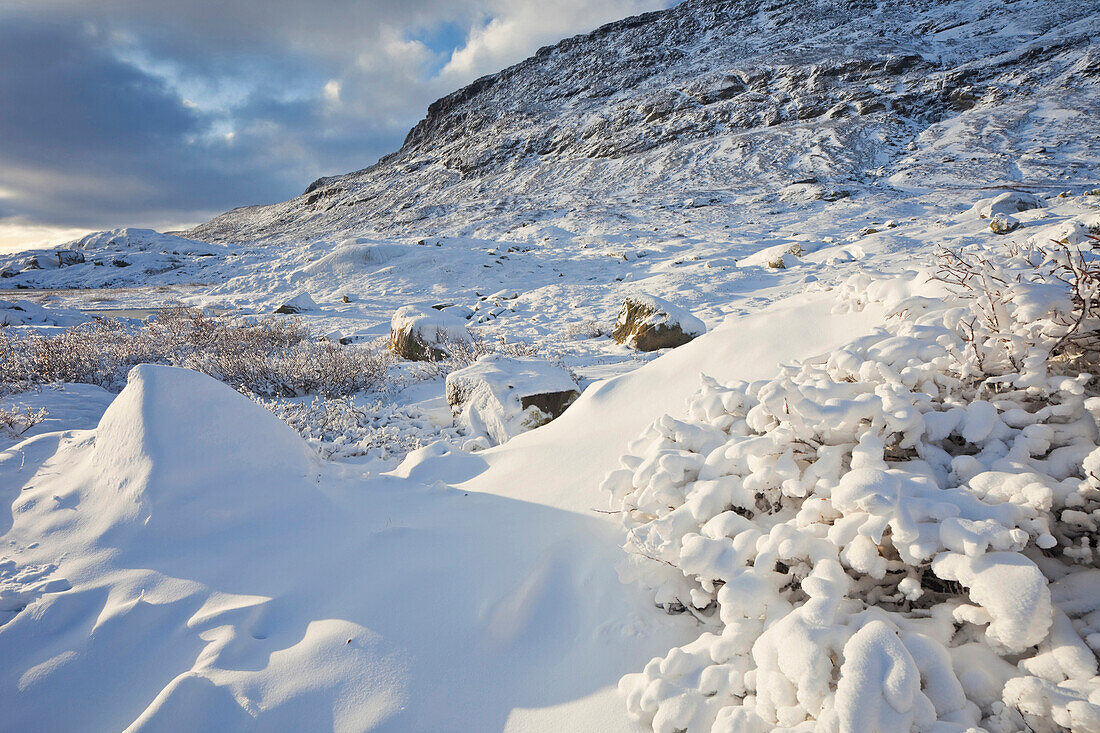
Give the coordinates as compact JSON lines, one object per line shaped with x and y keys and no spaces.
{"x":711,"y":97}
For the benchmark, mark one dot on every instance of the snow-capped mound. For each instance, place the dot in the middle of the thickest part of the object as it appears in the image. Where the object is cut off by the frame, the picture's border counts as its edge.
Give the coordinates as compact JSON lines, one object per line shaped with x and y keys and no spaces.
{"x":115,"y":258}
{"x":146,"y":240}
{"x":195,"y":456}
{"x":352,"y":255}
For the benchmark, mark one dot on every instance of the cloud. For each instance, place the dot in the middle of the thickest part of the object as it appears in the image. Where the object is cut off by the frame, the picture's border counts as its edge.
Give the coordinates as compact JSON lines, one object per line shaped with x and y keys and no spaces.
{"x":135,"y":113}
{"x":517,"y":29}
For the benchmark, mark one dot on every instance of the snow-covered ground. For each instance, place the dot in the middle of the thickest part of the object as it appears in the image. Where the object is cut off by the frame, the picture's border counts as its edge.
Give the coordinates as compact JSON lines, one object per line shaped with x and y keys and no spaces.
{"x":175,"y":557}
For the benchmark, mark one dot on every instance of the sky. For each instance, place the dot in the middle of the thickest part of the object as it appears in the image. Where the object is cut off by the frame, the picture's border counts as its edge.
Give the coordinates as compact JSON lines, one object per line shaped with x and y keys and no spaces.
{"x":163,"y":113}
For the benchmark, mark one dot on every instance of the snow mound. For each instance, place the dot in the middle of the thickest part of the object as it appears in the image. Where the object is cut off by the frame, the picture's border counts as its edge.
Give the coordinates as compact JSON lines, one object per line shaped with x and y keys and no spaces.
{"x":1007,"y":203}
{"x":870,"y":538}
{"x":146,"y":240}
{"x":787,"y":254}
{"x":300,"y":303}
{"x":354,"y":254}
{"x":190,"y":454}
{"x":26,"y":313}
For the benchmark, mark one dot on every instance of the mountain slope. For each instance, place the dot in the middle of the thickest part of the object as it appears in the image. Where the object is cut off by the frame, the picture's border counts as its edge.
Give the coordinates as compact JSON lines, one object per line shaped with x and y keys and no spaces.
{"x":713,"y":101}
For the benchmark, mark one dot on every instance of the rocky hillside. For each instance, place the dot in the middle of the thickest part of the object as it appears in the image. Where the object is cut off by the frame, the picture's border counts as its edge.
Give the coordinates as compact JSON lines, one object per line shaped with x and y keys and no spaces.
{"x":712,"y":101}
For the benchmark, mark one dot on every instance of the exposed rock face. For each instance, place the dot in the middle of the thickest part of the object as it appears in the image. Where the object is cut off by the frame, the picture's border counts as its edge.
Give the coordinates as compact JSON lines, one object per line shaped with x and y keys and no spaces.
{"x":419,"y":333}
{"x":714,"y":96}
{"x":499,"y":397}
{"x":647,"y":323}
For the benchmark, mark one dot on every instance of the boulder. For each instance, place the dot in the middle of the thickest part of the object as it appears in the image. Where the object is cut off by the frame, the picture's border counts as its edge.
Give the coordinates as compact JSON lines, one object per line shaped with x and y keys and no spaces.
{"x":500,"y":397}
{"x":1008,"y":203}
{"x":648,"y":323}
{"x":298,"y":304}
{"x":67,"y":257}
{"x":419,"y":333}
{"x":1002,"y":223}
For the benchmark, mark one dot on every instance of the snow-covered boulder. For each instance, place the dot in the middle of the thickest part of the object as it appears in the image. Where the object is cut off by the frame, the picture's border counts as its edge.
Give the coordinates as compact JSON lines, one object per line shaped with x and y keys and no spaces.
{"x":420,"y":333}
{"x":53,"y":259}
{"x":1009,"y":202}
{"x":300,"y":303}
{"x":648,"y":323}
{"x":1002,"y":223}
{"x":1072,"y":233}
{"x":500,"y":397}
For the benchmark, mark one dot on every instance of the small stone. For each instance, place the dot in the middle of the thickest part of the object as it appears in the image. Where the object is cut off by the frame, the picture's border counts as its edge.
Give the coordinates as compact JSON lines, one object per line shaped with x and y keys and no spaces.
{"x":1002,"y":223}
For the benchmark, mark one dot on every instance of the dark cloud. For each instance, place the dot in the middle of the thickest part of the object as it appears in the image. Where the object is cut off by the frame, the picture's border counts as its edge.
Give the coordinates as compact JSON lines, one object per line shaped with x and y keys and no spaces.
{"x":89,"y":139}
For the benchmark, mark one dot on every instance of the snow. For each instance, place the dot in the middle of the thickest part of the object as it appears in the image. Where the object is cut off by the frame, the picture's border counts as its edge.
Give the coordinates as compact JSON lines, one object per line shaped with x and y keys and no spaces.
{"x":243,"y":580}
{"x":487,"y":396}
{"x":191,"y":520}
{"x":860,"y":499}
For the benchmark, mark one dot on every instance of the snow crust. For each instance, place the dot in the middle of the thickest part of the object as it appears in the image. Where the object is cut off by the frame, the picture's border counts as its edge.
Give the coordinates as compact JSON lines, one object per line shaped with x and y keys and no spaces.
{"x":231,"y":580}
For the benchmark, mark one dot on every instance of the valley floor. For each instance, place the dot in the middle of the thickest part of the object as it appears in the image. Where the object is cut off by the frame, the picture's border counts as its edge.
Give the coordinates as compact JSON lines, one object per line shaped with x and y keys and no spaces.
{"x":176,"y":558}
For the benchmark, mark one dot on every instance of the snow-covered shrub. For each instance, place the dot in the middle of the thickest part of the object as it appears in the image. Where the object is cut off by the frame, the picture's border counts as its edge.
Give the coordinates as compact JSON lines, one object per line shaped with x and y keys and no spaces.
{"x":586,"y":330}
{"x":898,"y":536}
{"x":14,"y":423}
{"x":338,"y":427}
{"x":268,"y":357}
{"x":461,"y":353}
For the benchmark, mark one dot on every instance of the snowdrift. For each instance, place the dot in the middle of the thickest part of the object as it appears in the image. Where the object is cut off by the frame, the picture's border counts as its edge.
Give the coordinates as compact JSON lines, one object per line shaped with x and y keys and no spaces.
{"x":190,"y":564}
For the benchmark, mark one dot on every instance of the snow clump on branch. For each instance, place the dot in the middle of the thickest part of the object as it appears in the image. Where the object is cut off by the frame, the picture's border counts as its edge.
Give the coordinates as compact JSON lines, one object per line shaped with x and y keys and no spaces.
{"x":900,"y":535}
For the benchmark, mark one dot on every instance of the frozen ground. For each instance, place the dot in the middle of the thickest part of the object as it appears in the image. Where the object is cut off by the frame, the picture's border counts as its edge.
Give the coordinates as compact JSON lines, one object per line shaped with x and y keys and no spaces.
{"x":181,"y":536}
